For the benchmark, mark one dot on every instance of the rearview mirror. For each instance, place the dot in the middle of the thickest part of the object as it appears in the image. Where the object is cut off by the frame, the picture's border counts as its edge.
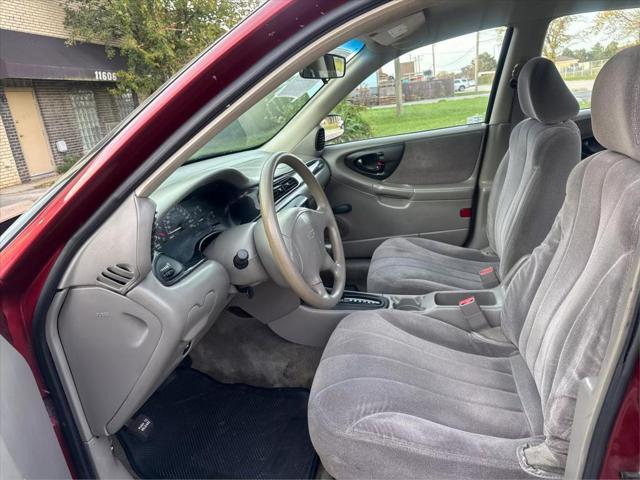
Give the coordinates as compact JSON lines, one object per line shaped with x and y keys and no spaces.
{"x":326,"y":67}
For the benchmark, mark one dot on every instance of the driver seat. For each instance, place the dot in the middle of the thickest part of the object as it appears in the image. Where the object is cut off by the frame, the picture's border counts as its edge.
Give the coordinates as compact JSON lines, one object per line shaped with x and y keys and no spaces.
{"x":400,"y":394}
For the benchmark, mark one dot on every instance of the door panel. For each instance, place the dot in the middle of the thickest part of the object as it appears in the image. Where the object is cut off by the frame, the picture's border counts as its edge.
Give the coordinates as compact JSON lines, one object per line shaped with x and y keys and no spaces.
{"x":440,"y":159}
{"x":28,"y":445}
{"x":33,"y":140}
{"x":423,"y":196}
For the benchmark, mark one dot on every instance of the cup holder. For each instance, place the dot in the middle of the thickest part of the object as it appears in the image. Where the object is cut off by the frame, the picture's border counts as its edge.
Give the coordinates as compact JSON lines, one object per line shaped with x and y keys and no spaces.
{"x":483,"y":298}
{"x":407,"y":304}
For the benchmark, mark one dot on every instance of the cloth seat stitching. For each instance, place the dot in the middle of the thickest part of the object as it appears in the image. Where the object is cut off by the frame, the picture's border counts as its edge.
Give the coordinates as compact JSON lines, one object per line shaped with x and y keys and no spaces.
{"x":417,"y":367}
{"x":417,"y":387}
{"x":430,"y":354}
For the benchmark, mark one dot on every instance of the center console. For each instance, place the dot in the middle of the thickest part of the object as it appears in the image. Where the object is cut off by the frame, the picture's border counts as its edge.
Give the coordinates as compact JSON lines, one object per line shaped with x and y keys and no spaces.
{"x":449,"y":306}
{"x":282,"y":311}
{"x":362,"y":301}
{"x":476,"y":311}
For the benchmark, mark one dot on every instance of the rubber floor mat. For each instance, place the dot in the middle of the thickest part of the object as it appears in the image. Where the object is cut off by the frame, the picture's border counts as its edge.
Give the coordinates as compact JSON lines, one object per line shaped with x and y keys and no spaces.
{"x":196,"y":427}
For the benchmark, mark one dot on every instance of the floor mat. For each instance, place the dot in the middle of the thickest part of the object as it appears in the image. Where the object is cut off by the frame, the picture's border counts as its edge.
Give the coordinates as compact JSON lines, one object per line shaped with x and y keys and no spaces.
{"x":196,"y":427}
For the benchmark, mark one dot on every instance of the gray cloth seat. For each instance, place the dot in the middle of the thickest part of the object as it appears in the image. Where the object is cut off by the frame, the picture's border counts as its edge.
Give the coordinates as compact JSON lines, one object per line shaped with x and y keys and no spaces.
{"x":527,"y":193}
{"x":411,"y":265}
{"x":404,"y":395}
{"x":401,"y":395}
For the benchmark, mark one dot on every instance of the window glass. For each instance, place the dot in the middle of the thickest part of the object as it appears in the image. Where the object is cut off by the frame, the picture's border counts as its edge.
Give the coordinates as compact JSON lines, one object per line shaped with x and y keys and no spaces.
{"x":580,"y":45}
{"x":438,"y":86}
{"x":84,"y":106}
{"x":262,"y":121}
{"x":125,"y":104}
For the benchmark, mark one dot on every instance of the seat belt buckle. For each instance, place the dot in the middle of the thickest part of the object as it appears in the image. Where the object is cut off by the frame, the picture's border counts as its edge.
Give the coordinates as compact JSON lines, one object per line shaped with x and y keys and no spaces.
{"x":489,"y":278}
{"x":473,"y":314}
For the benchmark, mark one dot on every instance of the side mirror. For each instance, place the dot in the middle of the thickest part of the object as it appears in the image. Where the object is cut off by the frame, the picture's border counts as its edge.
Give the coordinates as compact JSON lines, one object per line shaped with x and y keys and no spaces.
{"x":326,"y":67}
{"x":333,"y":126}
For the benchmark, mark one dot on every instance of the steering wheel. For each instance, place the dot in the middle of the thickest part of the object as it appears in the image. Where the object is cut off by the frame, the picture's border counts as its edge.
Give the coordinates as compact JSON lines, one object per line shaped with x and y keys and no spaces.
{"x":296,"y":237}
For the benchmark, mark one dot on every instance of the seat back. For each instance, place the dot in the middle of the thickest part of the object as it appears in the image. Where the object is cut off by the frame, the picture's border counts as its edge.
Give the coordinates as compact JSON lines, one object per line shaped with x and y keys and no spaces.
{"x":529,"y":185}
{"x":560,"y":305}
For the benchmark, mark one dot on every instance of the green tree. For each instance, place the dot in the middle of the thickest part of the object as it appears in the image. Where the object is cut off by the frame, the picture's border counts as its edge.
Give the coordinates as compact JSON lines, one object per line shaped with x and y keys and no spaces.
{"x":621,"y":25}
{"x":557,"y":38}
{"x":611,"y":49}
{"x":581,"y":54}
{"x":486,"y":63}
{"x":597,"y":52}
{"x":355,"y":125}
{"x":156,"y":37}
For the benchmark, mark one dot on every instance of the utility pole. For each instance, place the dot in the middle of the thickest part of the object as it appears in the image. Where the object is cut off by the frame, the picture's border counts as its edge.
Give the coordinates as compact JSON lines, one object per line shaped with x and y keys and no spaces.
{"x":477,"y":59}
{"x":398,"y":85}
{"x":433,"y":59}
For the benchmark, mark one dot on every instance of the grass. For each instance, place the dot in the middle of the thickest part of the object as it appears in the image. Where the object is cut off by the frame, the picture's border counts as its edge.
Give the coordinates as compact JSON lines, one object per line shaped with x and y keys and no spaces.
{"x":584,"y":104}
{"x":424,"y":116}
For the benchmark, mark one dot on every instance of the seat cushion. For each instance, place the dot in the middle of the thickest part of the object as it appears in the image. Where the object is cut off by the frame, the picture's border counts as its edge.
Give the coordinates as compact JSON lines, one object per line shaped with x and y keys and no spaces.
{"x":409,"y":265}
{"x":403,"y":395}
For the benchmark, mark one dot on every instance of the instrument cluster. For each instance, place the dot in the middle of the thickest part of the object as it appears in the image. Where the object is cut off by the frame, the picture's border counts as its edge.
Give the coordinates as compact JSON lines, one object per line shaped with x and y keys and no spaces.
{"x":180,"y":232}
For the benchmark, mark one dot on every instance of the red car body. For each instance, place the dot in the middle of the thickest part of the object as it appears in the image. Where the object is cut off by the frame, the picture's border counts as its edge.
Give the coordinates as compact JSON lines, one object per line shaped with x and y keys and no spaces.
{"x":26,"y":262}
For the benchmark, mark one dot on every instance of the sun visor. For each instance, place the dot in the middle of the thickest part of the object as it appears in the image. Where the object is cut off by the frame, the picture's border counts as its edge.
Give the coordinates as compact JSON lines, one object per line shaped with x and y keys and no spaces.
{"x":399,"y":30}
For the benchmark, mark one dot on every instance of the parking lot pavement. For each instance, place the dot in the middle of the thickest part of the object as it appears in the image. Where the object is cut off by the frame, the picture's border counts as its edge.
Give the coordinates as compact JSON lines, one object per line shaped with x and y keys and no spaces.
{"x":17,"y":199}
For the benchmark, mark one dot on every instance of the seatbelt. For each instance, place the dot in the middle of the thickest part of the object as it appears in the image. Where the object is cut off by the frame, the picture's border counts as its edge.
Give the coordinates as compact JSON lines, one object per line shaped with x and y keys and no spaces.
{"x":489,"y":278}
{"x":516,"y":112}
{"x":473,"y":314}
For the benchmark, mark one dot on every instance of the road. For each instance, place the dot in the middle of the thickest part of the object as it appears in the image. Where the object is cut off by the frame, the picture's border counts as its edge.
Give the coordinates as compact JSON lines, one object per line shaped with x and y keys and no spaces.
{"x":18,"y":199}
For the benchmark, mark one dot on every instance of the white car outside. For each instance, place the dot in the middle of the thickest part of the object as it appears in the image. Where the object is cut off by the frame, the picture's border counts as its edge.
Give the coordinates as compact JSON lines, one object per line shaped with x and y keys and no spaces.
{"x":461,"y":84}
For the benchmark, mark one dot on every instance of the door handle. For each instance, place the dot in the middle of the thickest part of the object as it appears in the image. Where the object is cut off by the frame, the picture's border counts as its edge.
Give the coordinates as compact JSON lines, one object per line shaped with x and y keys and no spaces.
{"x":371,"y":163}
{"x":378,"y":162}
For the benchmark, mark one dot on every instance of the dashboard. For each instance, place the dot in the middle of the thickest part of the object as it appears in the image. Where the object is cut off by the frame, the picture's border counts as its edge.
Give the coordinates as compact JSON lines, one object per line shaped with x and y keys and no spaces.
{"x":124,"y":269}
{"x":184,"y":230}
{"x":227,"y":199}
{"x":179,"y":231}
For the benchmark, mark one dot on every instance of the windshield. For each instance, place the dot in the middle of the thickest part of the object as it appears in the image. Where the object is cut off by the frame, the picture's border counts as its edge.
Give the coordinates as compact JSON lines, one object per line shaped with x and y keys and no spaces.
{"x":267,"y":117}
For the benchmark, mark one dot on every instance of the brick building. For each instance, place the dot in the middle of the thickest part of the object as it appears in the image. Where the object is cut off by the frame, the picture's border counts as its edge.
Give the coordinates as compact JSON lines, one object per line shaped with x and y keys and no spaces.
{"x":55,"y":103}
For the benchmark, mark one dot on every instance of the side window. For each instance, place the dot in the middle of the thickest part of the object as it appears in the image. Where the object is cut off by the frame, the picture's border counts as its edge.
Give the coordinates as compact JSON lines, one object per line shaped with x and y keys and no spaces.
{"x":436,"y":86}
{"x":580,"y":45}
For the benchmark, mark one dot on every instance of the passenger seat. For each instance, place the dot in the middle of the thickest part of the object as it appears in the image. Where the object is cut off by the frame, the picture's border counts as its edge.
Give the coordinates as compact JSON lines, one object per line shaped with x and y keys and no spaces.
{"x":528,"y":190}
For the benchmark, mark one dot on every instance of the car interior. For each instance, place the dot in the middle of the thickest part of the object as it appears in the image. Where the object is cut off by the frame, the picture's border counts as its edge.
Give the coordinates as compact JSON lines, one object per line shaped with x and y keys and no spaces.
{"x":443,"y":303}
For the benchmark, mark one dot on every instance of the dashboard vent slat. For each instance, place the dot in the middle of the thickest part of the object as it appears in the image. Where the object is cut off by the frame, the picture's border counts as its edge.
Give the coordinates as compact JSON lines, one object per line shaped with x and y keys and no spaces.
{"x":116,"y":277}
{"x":283,"y":187}
{"x":320,"y":140}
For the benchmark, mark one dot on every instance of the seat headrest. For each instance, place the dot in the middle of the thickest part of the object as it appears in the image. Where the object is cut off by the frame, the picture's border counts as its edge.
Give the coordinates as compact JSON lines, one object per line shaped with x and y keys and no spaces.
{"x":543,"y":94}
{"x":615,"y":104}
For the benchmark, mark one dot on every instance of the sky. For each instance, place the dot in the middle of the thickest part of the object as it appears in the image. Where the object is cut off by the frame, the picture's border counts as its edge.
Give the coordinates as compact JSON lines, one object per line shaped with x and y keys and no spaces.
{"x":450,"y":55}
{"x":454,"y":54}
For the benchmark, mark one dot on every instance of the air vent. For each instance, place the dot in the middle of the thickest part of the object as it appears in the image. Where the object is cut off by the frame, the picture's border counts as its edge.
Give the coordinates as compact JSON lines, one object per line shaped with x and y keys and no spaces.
{"x":116,"y":277}
{"x":320,"y":139}
{"x":283,"y":187}
{"x":315,"y":166}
